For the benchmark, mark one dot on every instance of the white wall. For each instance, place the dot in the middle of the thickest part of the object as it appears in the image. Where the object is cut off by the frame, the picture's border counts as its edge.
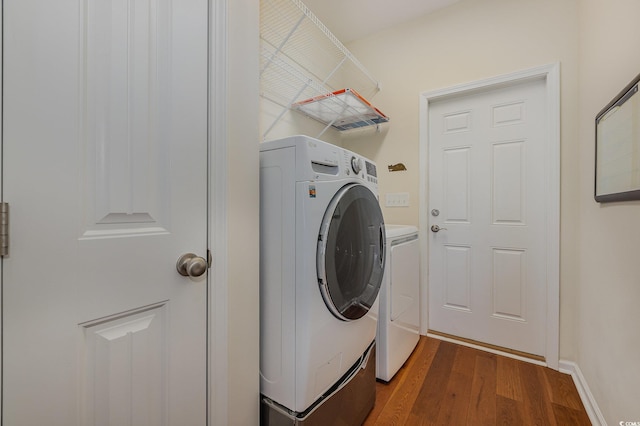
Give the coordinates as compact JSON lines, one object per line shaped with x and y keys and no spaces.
{"x":608,"y":299}
{"x":469,"y":41}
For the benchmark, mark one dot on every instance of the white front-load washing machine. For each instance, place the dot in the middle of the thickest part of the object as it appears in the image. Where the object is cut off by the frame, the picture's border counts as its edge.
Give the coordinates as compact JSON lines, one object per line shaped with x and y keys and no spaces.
{"x":399,"y":301}
{"x":321,"y":266}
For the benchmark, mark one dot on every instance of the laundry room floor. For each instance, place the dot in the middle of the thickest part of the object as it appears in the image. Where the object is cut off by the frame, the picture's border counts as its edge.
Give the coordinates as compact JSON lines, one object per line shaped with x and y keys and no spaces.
{"x":447,"y":384}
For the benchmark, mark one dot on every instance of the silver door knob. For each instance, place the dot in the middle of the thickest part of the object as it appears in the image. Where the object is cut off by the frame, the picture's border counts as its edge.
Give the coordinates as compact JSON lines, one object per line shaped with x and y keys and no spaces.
{"x":436,"y":228}
{"x":190,"y":265}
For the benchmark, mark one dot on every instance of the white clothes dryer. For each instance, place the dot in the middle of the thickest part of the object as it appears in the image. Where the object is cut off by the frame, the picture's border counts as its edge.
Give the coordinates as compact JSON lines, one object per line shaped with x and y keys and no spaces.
{"x":399,"y":301}
{"x":321,"y":267}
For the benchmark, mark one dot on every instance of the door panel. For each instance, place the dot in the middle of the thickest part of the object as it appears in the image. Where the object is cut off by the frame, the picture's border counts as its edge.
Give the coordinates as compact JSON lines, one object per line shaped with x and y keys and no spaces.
{"x":508,"y":194}
{"x":457,"y":181}
{"x":113,"y":349}
{"x":508,"y":283}
{"x":487,"y":264}
{"x":105,"y":168}
{"x":457,"y":282}
{"x":126,"y":116}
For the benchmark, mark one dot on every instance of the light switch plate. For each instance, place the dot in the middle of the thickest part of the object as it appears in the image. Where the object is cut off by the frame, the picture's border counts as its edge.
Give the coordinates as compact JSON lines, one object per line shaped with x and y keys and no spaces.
{"x":397,"y":199}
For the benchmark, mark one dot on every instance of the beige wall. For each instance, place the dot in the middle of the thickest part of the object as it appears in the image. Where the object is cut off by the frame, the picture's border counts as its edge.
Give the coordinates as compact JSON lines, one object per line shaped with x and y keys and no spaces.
{"x":596,"y":44}
{"x":608,"y":300}
{"x":597,"y":48}
{"x":242,"y":189}
{"x":272,"y":126}
{"x":470,"y":41}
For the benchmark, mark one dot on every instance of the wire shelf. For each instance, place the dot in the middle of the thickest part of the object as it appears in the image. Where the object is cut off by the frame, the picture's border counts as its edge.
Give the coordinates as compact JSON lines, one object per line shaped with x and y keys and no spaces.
{"x":305,"y":67}
{"x":343,"y":109}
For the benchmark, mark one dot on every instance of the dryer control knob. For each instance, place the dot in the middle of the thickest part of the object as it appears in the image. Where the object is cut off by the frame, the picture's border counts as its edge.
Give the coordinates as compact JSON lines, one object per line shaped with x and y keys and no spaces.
{"x":356,"y":164}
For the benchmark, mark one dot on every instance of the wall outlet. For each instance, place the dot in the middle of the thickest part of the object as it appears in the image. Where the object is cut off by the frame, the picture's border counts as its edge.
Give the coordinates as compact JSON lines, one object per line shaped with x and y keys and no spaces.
{"x":397,"y":199}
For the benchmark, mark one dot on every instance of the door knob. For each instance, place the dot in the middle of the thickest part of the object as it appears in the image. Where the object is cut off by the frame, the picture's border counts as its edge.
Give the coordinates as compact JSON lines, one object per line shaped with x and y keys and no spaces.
{"x":436,"y":228}
{"x":190,"y":265}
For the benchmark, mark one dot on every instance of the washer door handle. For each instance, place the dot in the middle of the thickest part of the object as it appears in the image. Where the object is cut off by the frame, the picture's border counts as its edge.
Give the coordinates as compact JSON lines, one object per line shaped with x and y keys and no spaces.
{"x":382,"y":241}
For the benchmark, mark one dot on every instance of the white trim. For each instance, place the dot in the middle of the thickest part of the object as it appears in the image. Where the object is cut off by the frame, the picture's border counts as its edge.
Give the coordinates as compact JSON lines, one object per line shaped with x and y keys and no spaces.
{"x":589,"y":402}
{"x":218,"y":380}
{"x":551,"y":74}
{"x":423,"y":208}
{"x":1,"y":192}
{"x":553,"y":220}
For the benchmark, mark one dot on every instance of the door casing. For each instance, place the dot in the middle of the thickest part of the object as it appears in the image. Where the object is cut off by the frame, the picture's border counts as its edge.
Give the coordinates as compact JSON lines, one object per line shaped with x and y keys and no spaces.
{"x":217,"y":308}
{"x":551,"y":75}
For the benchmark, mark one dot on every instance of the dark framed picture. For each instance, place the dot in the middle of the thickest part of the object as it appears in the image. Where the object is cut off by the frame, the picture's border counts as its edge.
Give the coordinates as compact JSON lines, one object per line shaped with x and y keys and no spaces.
{"x":617,"y":176}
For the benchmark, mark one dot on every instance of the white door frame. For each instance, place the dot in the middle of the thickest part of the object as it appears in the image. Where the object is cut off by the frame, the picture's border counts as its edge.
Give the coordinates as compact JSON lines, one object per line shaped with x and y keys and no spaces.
{"x":1,"y":184}
{"x":217,"y":306}
{"x":551,"y":75}
{"x":217,"y":221}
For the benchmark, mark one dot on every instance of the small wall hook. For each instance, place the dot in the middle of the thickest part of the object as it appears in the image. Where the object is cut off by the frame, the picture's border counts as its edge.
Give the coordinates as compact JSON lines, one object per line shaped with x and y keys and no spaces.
{"x":397,"y":167}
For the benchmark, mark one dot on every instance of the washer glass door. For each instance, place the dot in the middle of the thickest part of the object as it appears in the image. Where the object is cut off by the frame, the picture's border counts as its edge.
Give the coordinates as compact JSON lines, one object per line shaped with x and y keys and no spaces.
{"x":350,"y":257}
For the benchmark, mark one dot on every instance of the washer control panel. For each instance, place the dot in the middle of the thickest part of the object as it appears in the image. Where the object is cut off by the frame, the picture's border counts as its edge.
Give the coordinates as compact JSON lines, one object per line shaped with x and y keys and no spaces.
{"x":355,"y":165}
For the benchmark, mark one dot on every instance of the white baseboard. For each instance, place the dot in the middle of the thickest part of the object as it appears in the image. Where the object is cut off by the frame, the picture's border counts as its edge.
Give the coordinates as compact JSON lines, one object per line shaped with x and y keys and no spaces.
{"x":589,"y":402}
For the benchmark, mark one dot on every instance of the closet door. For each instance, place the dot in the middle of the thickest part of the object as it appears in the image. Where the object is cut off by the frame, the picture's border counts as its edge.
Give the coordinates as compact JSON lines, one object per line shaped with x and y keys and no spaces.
{"x":105,"y":171}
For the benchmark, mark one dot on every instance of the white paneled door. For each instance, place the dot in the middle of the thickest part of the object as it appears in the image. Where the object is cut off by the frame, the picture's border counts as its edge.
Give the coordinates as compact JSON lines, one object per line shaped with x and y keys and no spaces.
{"x":105,"y":171}
{"x":488,"y":216}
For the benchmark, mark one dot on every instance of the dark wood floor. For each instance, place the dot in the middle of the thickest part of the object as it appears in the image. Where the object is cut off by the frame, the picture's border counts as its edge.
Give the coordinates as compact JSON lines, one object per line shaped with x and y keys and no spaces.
{"x":447,"y":384}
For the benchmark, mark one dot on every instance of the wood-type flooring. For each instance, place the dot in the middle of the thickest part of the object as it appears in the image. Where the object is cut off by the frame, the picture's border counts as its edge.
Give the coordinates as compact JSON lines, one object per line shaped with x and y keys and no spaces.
{"x":443,"y":383}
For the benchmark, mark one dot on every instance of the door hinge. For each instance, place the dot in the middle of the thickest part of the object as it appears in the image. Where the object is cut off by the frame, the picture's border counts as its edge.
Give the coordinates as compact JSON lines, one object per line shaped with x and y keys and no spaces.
{"x":4,"y":229}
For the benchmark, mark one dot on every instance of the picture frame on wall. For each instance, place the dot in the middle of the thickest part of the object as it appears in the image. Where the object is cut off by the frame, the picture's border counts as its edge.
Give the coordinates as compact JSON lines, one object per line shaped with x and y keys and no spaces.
{"x":617,"y":168}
